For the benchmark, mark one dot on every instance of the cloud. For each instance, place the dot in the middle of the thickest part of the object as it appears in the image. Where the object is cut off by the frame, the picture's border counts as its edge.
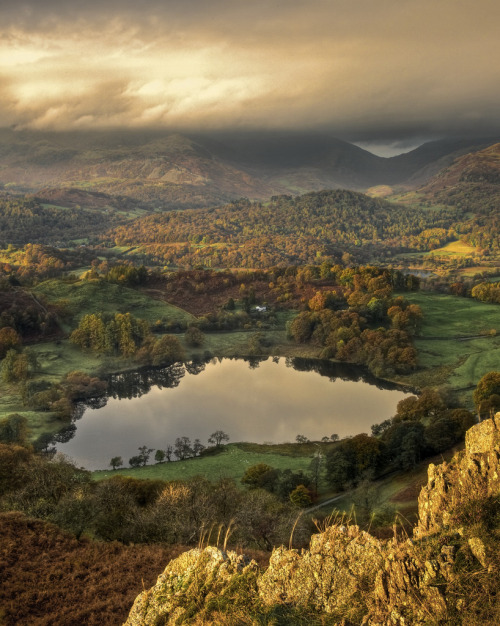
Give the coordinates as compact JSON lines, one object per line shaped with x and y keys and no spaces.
{"x":365,"y":70}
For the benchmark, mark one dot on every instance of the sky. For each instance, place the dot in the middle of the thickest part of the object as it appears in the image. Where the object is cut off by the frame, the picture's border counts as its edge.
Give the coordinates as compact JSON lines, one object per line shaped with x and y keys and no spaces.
{"x":382,"y":73}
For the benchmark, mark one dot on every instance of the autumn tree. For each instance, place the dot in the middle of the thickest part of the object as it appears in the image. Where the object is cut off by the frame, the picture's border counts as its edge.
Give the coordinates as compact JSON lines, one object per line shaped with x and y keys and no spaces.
{"x":194,"y":337}
{"x":9,"y":340}
{"x":167,"y":350}
{"x":301,"y":496}
{"x":255,"y":475}
{"x":487,"y":395}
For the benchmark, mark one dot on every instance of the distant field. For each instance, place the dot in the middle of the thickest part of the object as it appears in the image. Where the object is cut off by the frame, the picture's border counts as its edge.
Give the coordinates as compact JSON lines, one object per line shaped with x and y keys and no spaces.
{"x":232,"y":463}
{"x":458,"y":344}
{"x":92,"y":296}
{"x":458,"y":248}
{"x":494,"y":273}
{"x":380,"y":191}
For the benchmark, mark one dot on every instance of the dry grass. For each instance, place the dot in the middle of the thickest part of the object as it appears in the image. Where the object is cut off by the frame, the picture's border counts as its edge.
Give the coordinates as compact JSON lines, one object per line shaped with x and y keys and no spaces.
{"x":48,"y":577}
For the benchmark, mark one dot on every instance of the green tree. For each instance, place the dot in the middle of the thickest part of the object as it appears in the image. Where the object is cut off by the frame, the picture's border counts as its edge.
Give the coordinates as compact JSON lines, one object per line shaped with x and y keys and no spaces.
{"x":160,"y":456}
{"x":145,"y":453}
{"x":169,"y":450}
{"x":14,"y":429}
{"x":340,"y":467}
{"x":116,"y":461}
{"x":301,"y":439}
{"x":315,"y":467}
{"x":198,"y":447}
{"x":412,"y":447}
{"x":182,"y":448}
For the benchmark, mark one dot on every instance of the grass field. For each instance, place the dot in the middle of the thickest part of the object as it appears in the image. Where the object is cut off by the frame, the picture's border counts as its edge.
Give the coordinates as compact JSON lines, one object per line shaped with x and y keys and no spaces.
{"x":454,"y":248}
{"x":93,"y":296}
{"x":232,"y":463}
{"x":459,"y":341}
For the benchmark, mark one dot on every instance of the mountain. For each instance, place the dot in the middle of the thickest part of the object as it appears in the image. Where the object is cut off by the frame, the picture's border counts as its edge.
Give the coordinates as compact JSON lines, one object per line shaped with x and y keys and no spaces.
{"x":171,"y":170}
{"x":472,"y":180}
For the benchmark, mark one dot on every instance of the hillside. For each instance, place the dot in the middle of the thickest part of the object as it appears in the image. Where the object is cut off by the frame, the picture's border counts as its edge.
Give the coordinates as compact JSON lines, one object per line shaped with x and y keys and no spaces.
{"x":472,"y":183}
{"x":27,"y":220}
{"x":61,"y":589}
{"x":285,"y":230}
{"x":170,"y":170}
{"x":472,"y":180}
{"x":448,"y":573}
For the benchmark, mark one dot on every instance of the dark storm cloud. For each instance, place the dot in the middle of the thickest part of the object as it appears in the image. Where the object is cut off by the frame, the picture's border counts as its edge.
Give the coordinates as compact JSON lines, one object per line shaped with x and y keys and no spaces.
{"x":363,"y":69}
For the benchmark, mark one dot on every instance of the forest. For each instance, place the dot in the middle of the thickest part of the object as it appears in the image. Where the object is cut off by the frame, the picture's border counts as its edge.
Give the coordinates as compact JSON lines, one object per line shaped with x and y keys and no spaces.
{"x":287,"y":231}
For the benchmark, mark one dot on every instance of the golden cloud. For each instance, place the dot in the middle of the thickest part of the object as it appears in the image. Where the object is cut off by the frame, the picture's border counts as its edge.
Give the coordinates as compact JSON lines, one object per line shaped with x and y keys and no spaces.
{"x":366,"y":66}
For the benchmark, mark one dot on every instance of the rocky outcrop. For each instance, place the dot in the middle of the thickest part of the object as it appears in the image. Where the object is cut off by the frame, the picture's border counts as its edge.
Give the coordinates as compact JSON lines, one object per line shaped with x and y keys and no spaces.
{"x":473,"y":473}
{"x":189,"y":584}
{"x":410,"y":589}
{"x":348,"y":576}
{"x":329,"y":577}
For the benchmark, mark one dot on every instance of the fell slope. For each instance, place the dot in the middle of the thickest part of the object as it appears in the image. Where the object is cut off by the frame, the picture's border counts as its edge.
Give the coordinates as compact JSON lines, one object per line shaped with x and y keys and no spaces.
{"x":473,"y":180}
{"x":170,"y":170}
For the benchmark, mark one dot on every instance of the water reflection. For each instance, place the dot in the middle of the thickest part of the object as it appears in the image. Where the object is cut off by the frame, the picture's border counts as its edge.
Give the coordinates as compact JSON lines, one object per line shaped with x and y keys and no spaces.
{"x":258,"y":400}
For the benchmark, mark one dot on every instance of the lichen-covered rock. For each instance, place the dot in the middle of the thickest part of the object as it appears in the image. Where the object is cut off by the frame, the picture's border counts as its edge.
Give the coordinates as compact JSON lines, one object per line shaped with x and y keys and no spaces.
{"x":332,"y":576}
{"x":187,"y":585}
{"x":472,"y":474}
{"x":410,"y":589}
{"x":478,"y":549}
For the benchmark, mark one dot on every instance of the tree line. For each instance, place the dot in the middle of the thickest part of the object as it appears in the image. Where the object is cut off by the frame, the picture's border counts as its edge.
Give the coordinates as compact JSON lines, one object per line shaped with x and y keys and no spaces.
{"x":182,"y":449}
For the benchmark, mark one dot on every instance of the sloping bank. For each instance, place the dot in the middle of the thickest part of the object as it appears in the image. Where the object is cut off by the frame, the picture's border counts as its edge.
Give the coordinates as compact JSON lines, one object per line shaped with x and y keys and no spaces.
{"x":448,"y":573}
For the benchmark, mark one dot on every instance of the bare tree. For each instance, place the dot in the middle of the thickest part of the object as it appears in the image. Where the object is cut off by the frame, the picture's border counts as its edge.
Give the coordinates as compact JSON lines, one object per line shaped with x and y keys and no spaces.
{"x":218,"y":437}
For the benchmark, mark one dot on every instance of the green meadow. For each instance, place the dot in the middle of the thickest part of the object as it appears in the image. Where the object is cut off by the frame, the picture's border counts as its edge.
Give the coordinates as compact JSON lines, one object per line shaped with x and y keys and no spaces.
{"x":459,"y":342}
{"x":231,"y":463}
{"x":95,"y":296}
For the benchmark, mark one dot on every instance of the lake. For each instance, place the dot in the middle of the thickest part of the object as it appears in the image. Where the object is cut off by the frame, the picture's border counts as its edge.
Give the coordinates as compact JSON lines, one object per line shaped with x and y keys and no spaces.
{"x":270,"y":400}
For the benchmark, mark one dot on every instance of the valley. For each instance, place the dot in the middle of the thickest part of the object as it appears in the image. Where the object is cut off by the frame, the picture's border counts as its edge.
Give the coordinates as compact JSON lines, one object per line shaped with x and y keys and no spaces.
{"x":131,"y":273}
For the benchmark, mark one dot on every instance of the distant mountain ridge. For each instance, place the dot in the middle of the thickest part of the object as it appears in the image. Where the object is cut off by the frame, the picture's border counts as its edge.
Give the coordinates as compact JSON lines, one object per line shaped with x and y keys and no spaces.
{"x":172,"y":170}
{"x":471,"y":181}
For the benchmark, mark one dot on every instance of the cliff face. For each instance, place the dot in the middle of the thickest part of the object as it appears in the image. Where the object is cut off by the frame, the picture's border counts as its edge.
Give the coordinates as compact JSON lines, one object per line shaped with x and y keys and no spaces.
{"x":473,"y":473}
{"x":447,"y":574}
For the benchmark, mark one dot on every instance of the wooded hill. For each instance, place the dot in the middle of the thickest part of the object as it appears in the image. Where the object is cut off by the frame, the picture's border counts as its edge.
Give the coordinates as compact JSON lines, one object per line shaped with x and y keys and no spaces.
{"x":25,"y":220}
{"x":286,"y":230}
